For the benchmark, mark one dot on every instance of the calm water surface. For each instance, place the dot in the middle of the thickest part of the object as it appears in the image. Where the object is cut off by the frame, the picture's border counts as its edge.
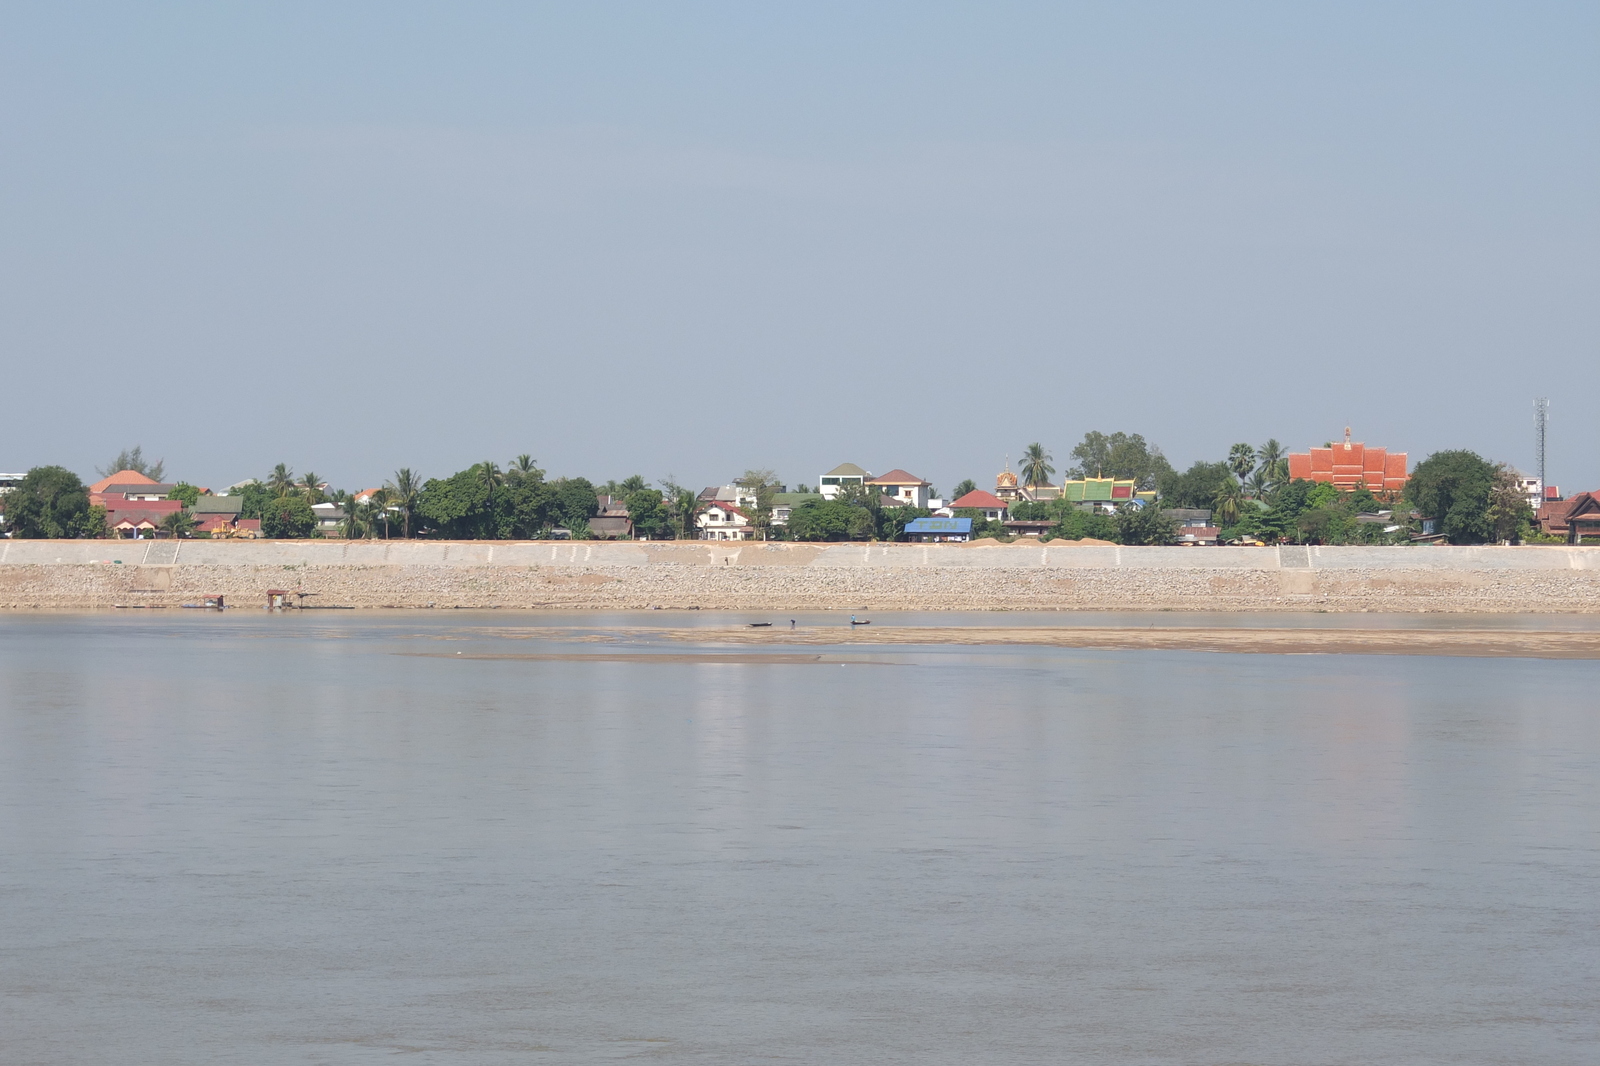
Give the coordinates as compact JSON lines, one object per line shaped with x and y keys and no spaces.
{"x":327,"y":838}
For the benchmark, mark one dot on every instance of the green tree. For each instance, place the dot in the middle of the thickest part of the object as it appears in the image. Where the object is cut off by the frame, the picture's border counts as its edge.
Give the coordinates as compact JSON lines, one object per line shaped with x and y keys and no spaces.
{"x":1036,"y":468}
{"x":1144,"y":525}
{"x":254,"y":499}
{"x":821,"y":519}
{"x":50,"y":502}
{"x":1125,"y":456}
{"x":289,"y":517}
{"x":1454,"y":488}
{"x":647,"y":510}
{"x":1075,"y":524}
{"x":763,"y":485}
{"x":179,"y":523}
{"x":133,"y":459}
{"x":311,"y":485}
{"x":523,"y":468}
{"x":186,"y":492}
{"x":963,"y":487}
{"x":462,"y":507}
{"x":1226,"y":502}
{"x":575,"y":502}
{"x":1241,"y":460}
{"x":281,"y":481}
{"x":405,"y":489}
{"x":1510,"y":517}
{"x":380,"y":501}
{"x":1273,"y":461}
{"x":352,"y":524}
{"x":683,"y":505}
{"x":1195,"y":487}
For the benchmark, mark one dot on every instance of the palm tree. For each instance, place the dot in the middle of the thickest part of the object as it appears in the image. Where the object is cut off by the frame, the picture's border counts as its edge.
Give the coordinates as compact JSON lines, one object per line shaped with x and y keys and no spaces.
{"x":1241,"y":460}
{"x":281,"y":480}
{"x":379,"y":501}
{"x":1226,"y":502}
{"x":1259,"y":485}
{"x":350,"y":524}
{"x":311,"y":485}
{"x":1036,"y":468}
{"x":179,"y":523}
{"x":489,"y":476}
{"x":1273,"y":460}
{"x":522,"y":468}
{"x":404,"y":490}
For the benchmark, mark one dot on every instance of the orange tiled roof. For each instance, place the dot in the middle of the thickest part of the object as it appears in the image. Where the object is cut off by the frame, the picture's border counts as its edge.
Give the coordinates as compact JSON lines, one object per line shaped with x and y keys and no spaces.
{"x":122,"y":477}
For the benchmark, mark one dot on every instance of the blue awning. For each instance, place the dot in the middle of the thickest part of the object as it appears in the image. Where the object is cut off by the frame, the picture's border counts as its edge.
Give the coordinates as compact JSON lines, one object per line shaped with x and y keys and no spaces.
{"x":939,"y":525}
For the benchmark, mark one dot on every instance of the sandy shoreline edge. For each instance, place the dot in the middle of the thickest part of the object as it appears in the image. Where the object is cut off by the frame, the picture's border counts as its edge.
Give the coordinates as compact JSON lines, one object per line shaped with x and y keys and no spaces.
{"x":1482,"y":643}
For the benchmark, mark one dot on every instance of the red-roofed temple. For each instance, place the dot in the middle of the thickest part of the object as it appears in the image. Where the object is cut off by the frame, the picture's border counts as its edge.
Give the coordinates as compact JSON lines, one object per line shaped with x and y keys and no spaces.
{"x":1350,"y":465}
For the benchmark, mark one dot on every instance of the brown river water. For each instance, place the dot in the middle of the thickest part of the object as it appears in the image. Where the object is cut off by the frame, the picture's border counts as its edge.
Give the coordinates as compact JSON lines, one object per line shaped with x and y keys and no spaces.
{"x":325,"y":837}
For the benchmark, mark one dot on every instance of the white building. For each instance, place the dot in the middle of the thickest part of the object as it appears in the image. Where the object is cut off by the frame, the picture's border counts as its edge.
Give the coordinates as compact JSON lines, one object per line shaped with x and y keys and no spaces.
{"x":1532,"y":488}
{"x":905,"y":488}
{"x":844,"y":474}
{"x":329,"y":516}
{"x":723,"y":520}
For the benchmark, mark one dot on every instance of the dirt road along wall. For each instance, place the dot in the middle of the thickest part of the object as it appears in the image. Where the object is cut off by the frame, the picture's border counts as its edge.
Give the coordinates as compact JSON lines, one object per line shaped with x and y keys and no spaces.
{"x":786,"y":576}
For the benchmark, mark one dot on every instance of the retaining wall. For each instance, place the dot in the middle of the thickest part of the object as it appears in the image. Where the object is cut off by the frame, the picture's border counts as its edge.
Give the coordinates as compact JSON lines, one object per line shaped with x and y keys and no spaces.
{"x":798,"y":576}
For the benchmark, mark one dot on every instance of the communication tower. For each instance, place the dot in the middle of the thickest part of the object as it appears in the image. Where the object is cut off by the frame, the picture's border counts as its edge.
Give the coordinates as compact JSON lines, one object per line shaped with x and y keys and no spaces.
{"x":1541,"y":423}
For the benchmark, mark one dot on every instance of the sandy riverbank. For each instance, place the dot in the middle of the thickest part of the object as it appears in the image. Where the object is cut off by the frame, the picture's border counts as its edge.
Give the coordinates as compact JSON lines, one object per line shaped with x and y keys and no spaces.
{"x":1485,"y":643}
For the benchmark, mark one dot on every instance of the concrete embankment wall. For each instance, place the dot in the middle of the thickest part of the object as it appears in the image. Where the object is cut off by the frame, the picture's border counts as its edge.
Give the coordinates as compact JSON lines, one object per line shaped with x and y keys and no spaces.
{"x":779,"y":576}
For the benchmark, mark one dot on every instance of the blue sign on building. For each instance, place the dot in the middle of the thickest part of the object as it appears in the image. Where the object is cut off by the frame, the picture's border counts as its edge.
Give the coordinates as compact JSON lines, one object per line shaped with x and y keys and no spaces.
{"x":939,"y":528}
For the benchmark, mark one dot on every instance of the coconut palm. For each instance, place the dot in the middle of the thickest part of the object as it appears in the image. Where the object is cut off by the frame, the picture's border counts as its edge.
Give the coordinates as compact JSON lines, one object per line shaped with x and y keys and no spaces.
{"x":489,"y":476}
{"x":1258,"y":486}
{"x":1227,"y":501}
{"x":311,"y":486}
{"x":404,"y":490}
{"x":350,"y":525}
{"x":179,"y":523}
{"x":1036,"y":468}
{"x":1241,"y":460}
{"x":522,"y":468}
{"x":1273,"y":461}
{"x":281,"y":480}
{"x":380,"y":502}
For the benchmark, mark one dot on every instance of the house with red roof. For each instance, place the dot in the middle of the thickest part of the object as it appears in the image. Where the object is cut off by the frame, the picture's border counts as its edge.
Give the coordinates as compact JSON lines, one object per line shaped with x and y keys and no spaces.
{"x":1573,"y":518}
{"x":992,"y":506}
{"x":903,"y":488}
{"x":723,"y":520}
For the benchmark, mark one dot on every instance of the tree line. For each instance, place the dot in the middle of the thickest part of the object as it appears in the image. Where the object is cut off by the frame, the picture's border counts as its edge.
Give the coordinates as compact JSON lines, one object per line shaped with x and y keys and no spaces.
{"x":1468,"y":499}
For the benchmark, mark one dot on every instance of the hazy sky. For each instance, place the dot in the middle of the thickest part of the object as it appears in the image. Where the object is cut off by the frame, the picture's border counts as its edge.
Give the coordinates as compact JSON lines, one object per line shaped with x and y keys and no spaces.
{"x":691,"y":238}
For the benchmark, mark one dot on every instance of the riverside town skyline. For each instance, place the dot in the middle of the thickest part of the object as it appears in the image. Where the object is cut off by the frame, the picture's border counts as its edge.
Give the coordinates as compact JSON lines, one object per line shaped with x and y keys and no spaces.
{"x":1114,"y":488}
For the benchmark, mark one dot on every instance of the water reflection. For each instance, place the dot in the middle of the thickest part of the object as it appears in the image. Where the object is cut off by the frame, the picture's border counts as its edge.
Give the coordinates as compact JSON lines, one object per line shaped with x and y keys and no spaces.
{"x":266,"y":839}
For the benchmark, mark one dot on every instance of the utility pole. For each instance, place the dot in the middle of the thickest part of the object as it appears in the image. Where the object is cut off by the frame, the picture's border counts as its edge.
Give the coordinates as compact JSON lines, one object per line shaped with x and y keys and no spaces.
{"x":1541,"y":423}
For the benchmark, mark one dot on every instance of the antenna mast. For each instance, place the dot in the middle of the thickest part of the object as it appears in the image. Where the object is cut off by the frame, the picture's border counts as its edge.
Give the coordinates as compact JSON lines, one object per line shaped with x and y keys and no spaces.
{"x":1541,"y":423}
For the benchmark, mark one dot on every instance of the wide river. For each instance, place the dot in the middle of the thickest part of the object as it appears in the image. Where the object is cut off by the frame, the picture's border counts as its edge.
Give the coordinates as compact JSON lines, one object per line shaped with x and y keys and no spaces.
{"x":327,"y":837}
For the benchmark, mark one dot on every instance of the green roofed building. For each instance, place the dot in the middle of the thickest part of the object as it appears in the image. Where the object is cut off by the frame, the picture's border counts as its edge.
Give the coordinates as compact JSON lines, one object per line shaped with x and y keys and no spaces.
{"x":1103,"y":494}
{"x":840,"y":476}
